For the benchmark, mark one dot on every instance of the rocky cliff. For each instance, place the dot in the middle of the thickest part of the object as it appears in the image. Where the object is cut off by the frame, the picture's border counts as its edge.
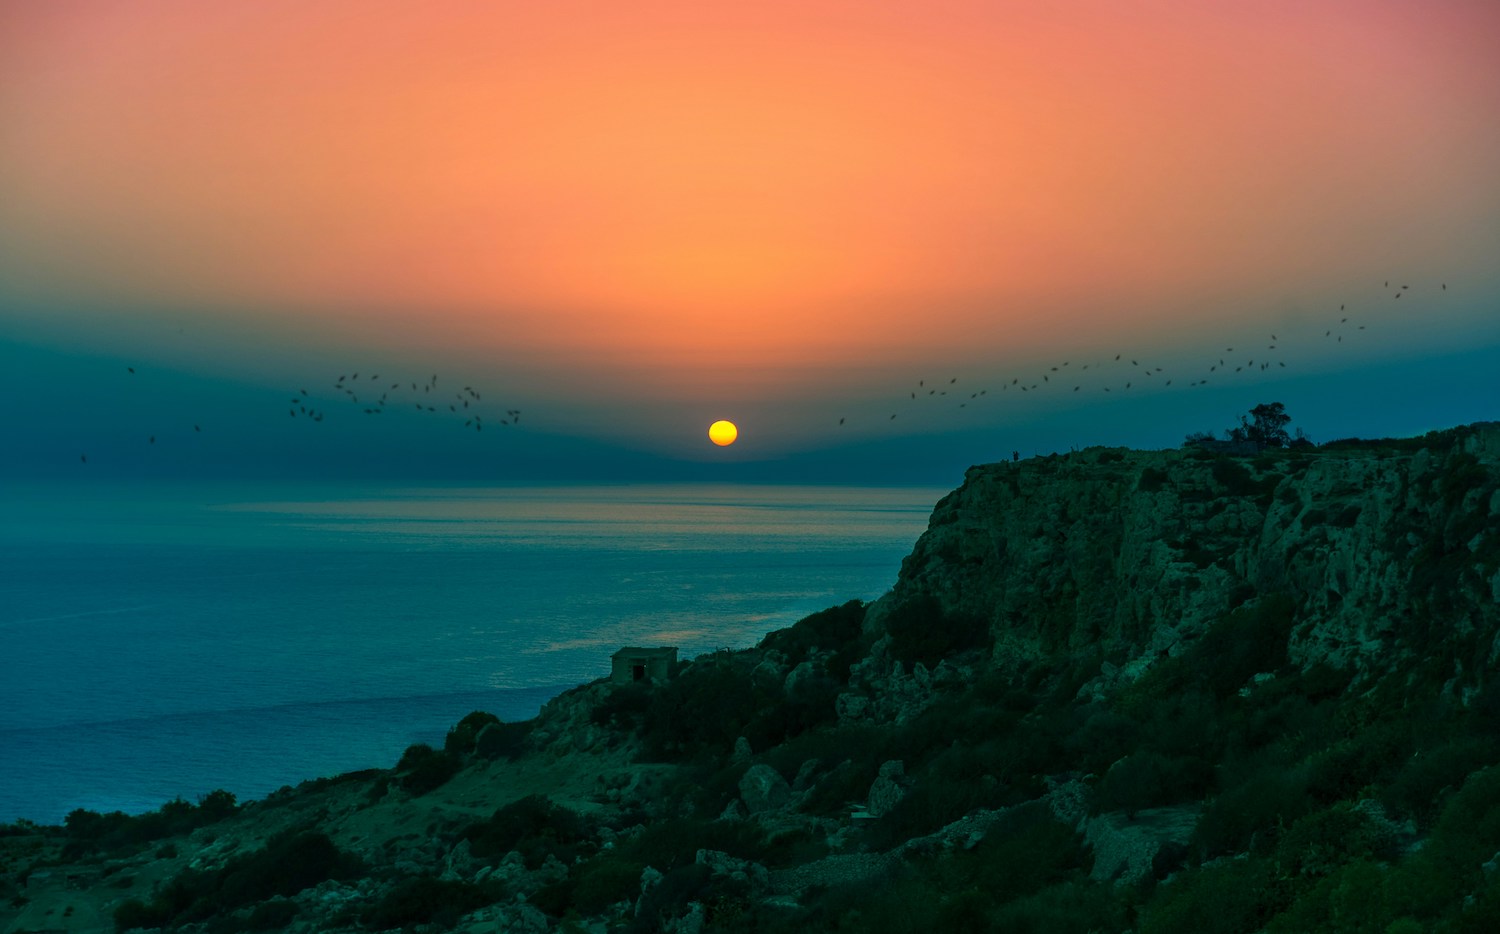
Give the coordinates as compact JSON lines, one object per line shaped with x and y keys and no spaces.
{"x":1388,"y":549}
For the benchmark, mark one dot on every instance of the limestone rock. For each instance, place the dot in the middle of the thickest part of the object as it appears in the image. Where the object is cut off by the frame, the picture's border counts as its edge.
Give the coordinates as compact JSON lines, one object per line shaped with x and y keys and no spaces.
{"x":1135,"y":554}
{"x":1125,"y":849}
{"x":742,"y":752}
{"x":763,"y":789}
{"x":732,"y":867}
{"x":805,"y":773}
{"x":522,"y":918}
{"x":851,"y":707}
{"x":650,"y":878}
{"x":889,"y":787}
{"x":690,"y":923}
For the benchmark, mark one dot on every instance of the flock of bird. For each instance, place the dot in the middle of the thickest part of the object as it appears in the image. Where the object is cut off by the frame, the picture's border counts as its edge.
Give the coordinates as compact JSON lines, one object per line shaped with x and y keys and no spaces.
{"x":303,"y":404}
{"x":1124,"y":374}
{"x":374,"y":396}
{"x":349,"y":385}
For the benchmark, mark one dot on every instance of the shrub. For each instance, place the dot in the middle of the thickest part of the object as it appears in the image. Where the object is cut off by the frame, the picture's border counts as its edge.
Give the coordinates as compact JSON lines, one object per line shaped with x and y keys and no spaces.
{"x":1151,"y":480}
{"x":133,"y":913}
{"x":1071,"y":906}
{"x":1234,"y":477}
{"x":703,"y":709}
{"x":1417,"y":789}
{"x":1252,"y":812}
{"x":502,"y":740}
{"x":533,"y":826}
{"x":1234,"y":897}
{"x":1026,"y":850}
{"x":1250,"y":639}
{"x":460,"y":739}
{"x":425,"y":769}
{"x":599,"y":883}
{"x":1322,"y":842}
{"x":428,"y":900}
{"x":1347,"y":768}
{"x":922,"y":631}
{"x":623,"y":707}
{"x":1148,"y":779}
{"x":290,"y":862}
{"x":273,"y":915}
{"x":89,"y":831}
{"x":675,"y":842}
{"x":830,"y":630}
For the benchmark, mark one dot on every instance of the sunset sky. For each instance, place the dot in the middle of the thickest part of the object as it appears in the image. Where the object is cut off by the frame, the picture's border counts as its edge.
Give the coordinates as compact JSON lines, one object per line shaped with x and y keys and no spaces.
{"x":628,"y":220}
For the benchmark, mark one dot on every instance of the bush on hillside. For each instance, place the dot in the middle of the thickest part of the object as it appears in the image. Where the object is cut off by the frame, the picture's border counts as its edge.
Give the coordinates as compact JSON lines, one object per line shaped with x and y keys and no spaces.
{"x":533,"y":826}
{"x":461,"y":738}
{"x":429,"y":900}
{"x":921,"y":630}
{"x":290,"y":862}
{"x":423,"y":769}
{"x":830,"y":630}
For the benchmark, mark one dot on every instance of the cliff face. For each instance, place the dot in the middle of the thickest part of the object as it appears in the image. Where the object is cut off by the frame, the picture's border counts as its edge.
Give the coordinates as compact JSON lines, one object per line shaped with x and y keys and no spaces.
{"x":1389,"y":550}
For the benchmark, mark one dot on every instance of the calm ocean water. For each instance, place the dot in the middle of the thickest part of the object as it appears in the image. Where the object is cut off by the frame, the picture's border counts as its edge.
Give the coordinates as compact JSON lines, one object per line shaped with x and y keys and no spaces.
{"x":157,"y":642}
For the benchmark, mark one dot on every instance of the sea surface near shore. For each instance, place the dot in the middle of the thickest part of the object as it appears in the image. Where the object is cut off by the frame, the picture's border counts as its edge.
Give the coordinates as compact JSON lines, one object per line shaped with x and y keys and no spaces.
{"x":160,"y":641}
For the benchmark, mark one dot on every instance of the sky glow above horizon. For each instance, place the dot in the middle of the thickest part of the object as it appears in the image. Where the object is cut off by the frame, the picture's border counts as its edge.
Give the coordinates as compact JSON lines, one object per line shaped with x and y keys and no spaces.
{"x":630,"y":219}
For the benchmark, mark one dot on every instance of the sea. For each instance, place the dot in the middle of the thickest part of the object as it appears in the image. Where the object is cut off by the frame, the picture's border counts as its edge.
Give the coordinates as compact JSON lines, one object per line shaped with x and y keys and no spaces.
{"x":163,"y":641}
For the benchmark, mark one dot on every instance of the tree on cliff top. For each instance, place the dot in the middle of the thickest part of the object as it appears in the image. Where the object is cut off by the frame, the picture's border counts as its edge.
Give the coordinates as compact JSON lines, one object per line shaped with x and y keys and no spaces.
{"x":1268,"y":430}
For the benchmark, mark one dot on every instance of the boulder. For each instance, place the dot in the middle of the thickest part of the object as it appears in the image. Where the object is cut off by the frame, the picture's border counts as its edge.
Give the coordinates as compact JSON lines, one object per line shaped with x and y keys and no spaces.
{"x":1125,"y":849}
{"x":721,"y":864}
{"x":889,"y":787}
{"x":851,"y":707}
{"x":763,"y":789}
{"x":804,"y":779}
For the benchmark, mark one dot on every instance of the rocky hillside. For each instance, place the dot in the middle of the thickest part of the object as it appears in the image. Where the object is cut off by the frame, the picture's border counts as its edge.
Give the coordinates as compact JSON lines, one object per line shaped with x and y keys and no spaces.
{"x":1390,"y":550}
{"x":1110,"y":691}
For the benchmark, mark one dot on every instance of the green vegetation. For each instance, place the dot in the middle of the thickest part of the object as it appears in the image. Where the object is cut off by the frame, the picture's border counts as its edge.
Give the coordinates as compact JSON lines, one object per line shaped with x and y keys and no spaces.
{"x":423,"y":769}
{"x":1151,"y":480}
{"x":290,"y":862}
{"x":90,"y":832}
{"x":532,"y":826}
{"x":921,"y":630}
{"x":429,"y":900}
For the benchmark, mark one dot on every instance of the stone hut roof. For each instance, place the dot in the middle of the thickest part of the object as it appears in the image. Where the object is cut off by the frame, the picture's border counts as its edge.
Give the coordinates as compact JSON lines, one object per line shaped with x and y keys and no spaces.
{"x":654,"y":652}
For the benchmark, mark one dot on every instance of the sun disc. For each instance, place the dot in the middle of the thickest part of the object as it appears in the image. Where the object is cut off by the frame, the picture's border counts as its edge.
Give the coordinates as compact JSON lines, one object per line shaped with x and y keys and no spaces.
{"x":723,"y":432}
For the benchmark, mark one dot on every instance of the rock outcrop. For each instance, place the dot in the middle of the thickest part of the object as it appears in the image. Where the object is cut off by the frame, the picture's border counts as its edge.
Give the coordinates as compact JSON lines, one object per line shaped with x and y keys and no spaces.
{"x":1128,"y":553}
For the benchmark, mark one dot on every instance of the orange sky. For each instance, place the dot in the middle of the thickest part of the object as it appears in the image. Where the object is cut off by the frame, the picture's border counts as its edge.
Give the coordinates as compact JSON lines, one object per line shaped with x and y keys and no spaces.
{"x":733,"y":198}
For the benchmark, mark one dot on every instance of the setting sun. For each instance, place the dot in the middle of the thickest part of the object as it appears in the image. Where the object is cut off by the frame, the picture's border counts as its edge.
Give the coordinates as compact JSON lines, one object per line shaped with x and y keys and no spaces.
{"x":723,"y":432}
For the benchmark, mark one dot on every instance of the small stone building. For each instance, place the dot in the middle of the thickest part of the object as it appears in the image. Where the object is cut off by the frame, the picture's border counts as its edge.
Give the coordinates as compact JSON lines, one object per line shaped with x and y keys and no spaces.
{"x":632,"y":664}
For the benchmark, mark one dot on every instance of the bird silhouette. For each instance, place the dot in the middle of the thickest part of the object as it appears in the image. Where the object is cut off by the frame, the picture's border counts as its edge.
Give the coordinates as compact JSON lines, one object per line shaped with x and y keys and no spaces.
{"x":841,"y":421}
